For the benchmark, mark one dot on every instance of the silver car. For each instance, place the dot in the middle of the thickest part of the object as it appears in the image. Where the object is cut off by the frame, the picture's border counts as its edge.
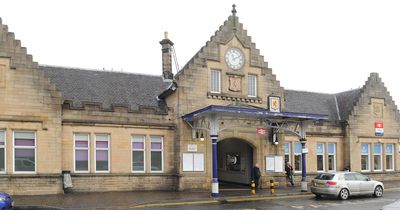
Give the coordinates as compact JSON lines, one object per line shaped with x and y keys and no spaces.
{"x":345,"y":184}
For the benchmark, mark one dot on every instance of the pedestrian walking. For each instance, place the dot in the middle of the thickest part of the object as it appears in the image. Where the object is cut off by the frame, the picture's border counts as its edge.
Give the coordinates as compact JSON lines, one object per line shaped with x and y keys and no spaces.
{"x":256,"y":174}
{"x":289,"y":172}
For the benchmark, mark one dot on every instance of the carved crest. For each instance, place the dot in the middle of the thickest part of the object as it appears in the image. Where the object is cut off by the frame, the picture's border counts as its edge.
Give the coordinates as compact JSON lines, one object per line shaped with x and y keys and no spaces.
{"x":235,"y":83}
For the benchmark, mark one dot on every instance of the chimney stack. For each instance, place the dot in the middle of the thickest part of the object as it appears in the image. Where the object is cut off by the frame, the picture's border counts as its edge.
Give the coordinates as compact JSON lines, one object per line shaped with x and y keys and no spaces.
{"x":166,"y":45}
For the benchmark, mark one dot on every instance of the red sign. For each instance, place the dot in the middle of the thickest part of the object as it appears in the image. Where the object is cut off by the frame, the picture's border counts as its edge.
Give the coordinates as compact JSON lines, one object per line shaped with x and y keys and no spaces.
{"x":378,"y":125}
{"x":262,"y":131}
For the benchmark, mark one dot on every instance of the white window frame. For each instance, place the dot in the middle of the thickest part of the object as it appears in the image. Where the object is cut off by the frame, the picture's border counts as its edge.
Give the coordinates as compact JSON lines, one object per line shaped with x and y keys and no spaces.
{"x":334,"y":156}
{"x":289,"y":154}
{"x":294,"y":156}
{"x":252,"y":85}
{"x":5,"y":152}
{"x":212,"y":88}
{"x":157,"y":150}
{"x":378,"y":154}
{"x":144,"y":152}
{"x":24,"y":147}
{"x":390,"y":154}
{"x":369,"y":157}
{"x":323,"y":157}
{"x":82,"y":148}
{"x":102,"y":149}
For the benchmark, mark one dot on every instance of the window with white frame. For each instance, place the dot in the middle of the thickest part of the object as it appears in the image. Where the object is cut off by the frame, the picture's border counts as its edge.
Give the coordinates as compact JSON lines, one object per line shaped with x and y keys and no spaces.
{"x":252,"y":85}
{"x":287,"y":152}
{"x":2,"y":151}
{"x":81,"y":152}
{"x":102,"y":153}
{"x":320,"y":157}
{"x":138,"y":153}
{"x":156,"y":153}
{"x":297,"y":157}
{"x":215,"y":81}
{"x":24,"y":151}
{"x":365,"y":157}
{"x":389,"y":157}
{"x":331,"y":157}
{"x":377,"y":157}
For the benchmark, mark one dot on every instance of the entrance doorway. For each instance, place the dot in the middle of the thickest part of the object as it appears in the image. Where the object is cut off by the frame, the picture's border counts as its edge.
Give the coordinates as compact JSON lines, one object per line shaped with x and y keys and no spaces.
{"x":235,"y":161}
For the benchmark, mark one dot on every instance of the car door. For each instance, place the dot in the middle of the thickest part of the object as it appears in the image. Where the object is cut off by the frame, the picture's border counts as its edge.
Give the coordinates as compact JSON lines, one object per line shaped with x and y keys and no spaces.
{"x":352,"y":183}
{"x":366,"y":186}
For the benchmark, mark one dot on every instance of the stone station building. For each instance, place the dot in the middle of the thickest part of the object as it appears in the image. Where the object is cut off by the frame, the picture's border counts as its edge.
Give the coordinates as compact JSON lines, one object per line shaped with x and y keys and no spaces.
{"x":114,"y":131}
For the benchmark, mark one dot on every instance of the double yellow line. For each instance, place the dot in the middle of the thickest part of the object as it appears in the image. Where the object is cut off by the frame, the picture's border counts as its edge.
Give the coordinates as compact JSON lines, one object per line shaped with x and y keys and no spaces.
{"x":232,"y":200}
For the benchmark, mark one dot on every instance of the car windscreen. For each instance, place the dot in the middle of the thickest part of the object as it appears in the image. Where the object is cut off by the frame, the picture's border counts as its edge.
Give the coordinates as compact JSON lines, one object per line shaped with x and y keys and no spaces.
{"x":325,"y":176}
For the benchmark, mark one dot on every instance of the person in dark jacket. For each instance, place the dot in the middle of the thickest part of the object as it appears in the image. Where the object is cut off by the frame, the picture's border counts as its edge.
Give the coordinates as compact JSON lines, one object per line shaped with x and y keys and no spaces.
{"x":289,"y":172}
{"x":256,"y":174}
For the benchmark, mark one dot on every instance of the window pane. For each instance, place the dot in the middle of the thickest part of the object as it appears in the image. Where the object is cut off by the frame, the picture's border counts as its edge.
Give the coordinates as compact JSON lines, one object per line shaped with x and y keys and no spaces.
{"x":287,"y":159}
{"x":24,"y":160}
{"x":101,"y":137}
{"x":389,"y":149}
{"x":81,"y":160}
{"x":297,"y":148}
{"x":331,"y":148}
{"x":365,"y":149}
{"x":320,"y":148}
{"x":252,"y":85}
{"x":138,"y":145}
{"x":2,"y":137}
{"x":101,"y":144}
{"x":156,"y":161}
{"x":138,"y":160}
{"x":320,"y":162}
{"x":81,"y":137}
{"x":24,"y":135}
{"x":287,"y":148}
{"x":331,"y":162}
{"x":24,"y":142}
{"x":2,"y":163}
{"x":101,"y":160}
{"x":156,"y":145}
{"x":81,"y":144}
{"x":364,"y":162}
{"x":297,"y":162}
{"x":389,"y":162}
{"x":377,"y":149}
{"x":215,"y":81}
{"x":377,"y":162}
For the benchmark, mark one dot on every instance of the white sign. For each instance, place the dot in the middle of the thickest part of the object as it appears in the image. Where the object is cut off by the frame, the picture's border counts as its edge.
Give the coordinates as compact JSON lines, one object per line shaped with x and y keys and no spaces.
{"x":193,"y":162}
{"x":305,"y":150}
{"x":274,"y":163}
{"x":187,"y":161}
{"x":192,"y":147}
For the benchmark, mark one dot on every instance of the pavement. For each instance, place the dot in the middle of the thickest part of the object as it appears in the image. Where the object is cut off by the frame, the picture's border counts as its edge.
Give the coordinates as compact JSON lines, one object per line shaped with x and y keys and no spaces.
{"x":142,"y":199}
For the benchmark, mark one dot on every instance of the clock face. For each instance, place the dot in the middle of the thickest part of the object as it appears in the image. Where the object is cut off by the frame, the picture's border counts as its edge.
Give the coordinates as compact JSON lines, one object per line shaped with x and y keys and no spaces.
{"x":234,"y":58}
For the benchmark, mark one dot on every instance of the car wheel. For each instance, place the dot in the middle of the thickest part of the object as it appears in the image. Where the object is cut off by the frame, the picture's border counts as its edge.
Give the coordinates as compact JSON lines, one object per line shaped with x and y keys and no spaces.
{"x":318,"y":196}
{"x":378,"y":192}
{"x":343,"y":194}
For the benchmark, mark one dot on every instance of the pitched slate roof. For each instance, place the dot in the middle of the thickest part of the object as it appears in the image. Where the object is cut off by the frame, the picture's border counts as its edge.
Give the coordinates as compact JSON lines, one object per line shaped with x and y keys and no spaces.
{"x":105,"y":88}
{"x":309,"y":102}
{"x":338,"y":106}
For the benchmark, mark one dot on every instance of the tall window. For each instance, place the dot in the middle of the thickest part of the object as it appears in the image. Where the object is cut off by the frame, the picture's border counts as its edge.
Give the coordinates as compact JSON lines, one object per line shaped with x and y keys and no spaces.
{"x":287,"y":152}
{"x":377,"y":157}
{"x":24,"y":151}
{"x":102,"y":153}
{"x":215,"y":81}
{"x":81,"y":144}
{"x":2,"y":152}
{"x":252,"y":85}
{"x":138,"y":153}
{"x":320,"y":157}
{"x":156,"y":152}
{"x":297,"y":157}
{"x":331,"y":157}
{"x":389,"y":157}
{"x":365,"y":157}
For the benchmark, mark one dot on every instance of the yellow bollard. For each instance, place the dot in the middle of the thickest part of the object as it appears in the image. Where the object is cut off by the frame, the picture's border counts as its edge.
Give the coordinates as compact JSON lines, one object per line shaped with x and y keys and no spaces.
{"x":272,"y":186}
{"x":253,"y":187}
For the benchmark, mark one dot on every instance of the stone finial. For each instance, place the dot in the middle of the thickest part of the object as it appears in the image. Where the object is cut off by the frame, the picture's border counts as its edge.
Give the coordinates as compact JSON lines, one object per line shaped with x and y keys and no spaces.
{"x":165,"y":34}
{"x":233,"y":9}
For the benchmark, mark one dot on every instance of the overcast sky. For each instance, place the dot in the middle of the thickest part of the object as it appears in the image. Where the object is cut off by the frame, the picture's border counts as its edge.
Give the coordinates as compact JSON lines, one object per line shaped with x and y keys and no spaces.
{"x":319,"y":46}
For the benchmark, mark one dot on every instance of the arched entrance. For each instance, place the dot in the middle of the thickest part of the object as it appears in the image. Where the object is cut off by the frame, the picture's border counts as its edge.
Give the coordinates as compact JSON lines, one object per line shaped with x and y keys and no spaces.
{"x":235,"y":161}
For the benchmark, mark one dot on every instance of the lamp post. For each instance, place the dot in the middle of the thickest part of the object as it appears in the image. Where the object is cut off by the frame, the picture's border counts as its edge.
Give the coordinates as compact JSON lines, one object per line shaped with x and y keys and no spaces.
{"x":214,"y":127}
{"x":303,"y":127}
